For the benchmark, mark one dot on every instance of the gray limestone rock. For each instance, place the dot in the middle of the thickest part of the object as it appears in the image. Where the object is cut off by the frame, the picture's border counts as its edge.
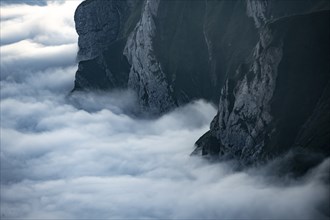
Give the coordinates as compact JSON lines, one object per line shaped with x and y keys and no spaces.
{"x":102,"y":27}
{"x":146,"y":76}
{"x":267,"y":60}
{"x":97,"y":24}
{"x":267,"y":107}
{"x":100,"y":23}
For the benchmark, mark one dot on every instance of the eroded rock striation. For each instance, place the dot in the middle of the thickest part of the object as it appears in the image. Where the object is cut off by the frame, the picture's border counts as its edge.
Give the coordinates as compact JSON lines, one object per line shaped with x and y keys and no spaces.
{"x":168,"y":52}
{"x":266,"y":60}
{"x":276,"y":100}
{"x":146,"y":76}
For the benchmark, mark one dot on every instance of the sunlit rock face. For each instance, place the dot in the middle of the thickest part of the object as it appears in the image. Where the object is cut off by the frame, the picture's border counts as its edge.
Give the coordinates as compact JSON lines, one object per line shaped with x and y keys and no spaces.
{"x":278,"y":100}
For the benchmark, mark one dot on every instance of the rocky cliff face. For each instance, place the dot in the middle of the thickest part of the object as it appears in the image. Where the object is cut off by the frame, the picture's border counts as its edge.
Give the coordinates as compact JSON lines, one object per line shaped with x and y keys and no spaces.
{"x":102,"y":27}
{"x":265,"y":59}
{"x":276,"y":100}
{"x":146,"y":76}
{"x":97,"y":24}
{"x":166,"y":51}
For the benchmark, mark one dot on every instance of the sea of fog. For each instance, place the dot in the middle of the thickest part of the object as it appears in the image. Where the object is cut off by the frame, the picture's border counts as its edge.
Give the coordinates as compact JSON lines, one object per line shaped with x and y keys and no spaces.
{"x":85,"y":156}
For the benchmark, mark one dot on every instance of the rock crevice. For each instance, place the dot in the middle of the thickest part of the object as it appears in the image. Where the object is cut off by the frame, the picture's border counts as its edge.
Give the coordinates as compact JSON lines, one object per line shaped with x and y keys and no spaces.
{"x":264,"y":63}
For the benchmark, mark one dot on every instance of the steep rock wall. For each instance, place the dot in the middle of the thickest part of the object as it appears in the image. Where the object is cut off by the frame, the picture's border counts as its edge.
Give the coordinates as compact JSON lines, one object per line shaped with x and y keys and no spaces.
{"x":267,"y":108}
{"x":170,"y":52}
{"x":103,"y":27}
{"x":97,"y":24}
{"x":165,"y":58}
{"x":146,"y":76}
{"x":257,"y":55}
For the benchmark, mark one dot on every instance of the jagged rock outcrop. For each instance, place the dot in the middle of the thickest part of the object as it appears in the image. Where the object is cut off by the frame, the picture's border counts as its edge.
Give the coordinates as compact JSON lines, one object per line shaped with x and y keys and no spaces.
{"x":146,"y":76}
{"x":169,"y":52}
{"x":173,"y":55}
{"x":166,"y":57}
{"x":108,"y":70}
{"x":103,"y":27}
{"x":275,"y":101}
{"x":98,"y":24}
{"x":266,"y":59}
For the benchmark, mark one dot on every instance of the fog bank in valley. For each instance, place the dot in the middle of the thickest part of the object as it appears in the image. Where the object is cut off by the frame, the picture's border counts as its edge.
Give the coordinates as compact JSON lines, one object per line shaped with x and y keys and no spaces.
{"x":88,"y":156}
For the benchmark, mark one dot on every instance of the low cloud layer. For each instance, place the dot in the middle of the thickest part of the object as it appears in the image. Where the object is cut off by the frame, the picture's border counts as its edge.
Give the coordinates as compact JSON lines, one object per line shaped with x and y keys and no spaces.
{"x":87,"y":156}
{"x":35,"y":38}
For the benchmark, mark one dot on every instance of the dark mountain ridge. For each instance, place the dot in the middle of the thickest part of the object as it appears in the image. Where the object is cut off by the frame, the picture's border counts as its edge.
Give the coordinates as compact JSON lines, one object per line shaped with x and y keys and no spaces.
{"x":267,"y":60}
{"x":271,"y":105}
